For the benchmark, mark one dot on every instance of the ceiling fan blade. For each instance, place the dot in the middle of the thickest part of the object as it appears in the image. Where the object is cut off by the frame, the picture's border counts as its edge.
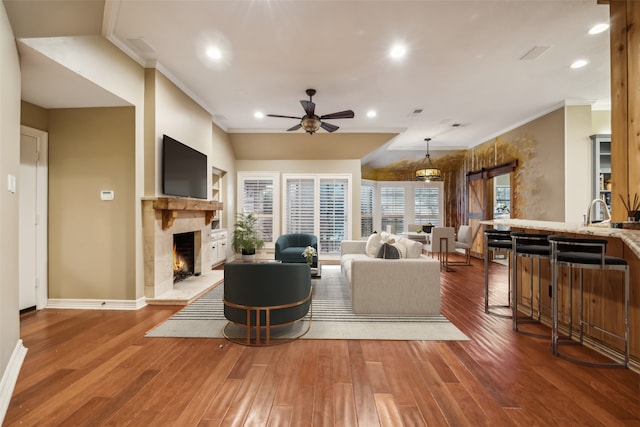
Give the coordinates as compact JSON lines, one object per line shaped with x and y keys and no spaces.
{"x":346,"y":114}
{"x":329,"y":127}
{"x":296,"y":127}
{"x":284,"y":117}
{"x":309,"y":107}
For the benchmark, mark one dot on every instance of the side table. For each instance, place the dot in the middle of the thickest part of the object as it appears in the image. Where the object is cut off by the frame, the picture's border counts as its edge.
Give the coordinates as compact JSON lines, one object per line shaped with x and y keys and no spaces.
{"x":316,"y":272}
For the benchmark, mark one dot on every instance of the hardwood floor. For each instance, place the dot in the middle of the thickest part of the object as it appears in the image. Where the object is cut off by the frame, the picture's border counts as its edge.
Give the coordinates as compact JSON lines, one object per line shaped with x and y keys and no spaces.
{"x":95,"y":368}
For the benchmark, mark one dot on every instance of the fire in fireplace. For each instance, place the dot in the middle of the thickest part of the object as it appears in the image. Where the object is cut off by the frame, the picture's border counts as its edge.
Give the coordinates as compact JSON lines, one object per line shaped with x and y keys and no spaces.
{"x":183,"y":256}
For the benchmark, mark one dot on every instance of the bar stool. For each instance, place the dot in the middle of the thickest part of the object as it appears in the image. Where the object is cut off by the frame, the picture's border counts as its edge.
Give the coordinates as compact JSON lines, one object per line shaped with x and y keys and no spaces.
{"x":532,"y":246}
{"x":585,"y":254}
{"x":494,"y":241}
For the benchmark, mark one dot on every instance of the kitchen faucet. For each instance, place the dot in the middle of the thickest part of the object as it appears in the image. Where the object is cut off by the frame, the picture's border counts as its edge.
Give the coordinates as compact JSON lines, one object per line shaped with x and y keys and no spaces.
{"x":594,"y":202}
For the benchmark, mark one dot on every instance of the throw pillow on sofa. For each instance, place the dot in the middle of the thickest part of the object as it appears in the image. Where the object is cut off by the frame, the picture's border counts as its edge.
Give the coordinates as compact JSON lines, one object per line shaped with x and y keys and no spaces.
{"x":388,"y":251}
{"x":387,"y":237}
{"x":413,"y":248}
{"x":373,"y":245}
{"x":402,"y":249}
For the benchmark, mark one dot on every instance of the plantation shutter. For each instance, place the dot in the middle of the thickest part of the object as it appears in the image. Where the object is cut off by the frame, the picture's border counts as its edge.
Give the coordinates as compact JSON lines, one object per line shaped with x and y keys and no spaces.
{"x":392,"y":208}
{"x":366,"y":210}
{"x":300,"y":200}
{"x":333,"y":214}
{"x":257,"y":198}
{"x":427,"y":205}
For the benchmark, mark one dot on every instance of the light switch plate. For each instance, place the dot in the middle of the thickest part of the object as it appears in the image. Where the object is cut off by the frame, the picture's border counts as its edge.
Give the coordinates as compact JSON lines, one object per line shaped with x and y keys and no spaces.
{"x":11,"y":183}
{"x":107,"y":195}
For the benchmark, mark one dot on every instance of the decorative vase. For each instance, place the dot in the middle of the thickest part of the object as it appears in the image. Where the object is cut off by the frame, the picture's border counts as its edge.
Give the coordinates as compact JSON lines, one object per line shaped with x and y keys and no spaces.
{"x":248,"y":255}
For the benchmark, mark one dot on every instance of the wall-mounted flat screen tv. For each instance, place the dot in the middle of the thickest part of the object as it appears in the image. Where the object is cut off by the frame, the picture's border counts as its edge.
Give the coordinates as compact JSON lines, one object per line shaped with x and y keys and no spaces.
{"x":184,"y":170}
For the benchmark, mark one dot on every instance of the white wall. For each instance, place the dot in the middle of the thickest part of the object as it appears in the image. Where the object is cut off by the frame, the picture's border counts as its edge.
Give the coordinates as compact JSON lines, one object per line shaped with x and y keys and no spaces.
{"x":223,"y":159}
{"x":601,"y":122}
{"x":578,"y":162}
{"x":181,"y":118}
{"x":11,"y":349}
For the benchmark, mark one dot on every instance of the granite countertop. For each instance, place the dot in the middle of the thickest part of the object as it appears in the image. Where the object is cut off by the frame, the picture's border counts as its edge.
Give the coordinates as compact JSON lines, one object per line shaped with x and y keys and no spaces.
{"x":630,"y":237}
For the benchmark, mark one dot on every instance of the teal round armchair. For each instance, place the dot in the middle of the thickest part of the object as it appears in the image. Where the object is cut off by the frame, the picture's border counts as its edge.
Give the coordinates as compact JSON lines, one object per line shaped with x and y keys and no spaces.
{"x":261,"y":296}
{"x":289,"y":248}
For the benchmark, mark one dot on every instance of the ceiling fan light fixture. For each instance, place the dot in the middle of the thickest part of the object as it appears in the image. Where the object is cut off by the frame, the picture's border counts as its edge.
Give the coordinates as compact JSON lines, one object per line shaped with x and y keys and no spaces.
{"x":310,"y":124}
{"x":428,"y":172}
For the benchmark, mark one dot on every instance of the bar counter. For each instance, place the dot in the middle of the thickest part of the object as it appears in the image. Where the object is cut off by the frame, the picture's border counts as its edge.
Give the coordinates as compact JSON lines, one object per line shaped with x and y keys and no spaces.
{"x":629,"y":237}
{"x":604,"y":301}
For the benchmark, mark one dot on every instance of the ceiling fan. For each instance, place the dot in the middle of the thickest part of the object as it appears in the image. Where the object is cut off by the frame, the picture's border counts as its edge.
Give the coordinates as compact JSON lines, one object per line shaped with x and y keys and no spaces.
{"x":310,"y":122}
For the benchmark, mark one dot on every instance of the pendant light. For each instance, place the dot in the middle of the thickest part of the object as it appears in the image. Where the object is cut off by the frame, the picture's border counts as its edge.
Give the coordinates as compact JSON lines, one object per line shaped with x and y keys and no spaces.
{"x":428,"y":172}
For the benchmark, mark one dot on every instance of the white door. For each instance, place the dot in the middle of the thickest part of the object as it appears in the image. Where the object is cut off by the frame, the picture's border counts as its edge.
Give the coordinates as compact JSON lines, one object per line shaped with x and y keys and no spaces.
{"x":27,"y":220}
{"x":32,"y":223}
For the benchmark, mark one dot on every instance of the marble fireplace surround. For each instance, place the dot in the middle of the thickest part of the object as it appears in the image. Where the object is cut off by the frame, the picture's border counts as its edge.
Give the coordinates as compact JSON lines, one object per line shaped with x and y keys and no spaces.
{"x":163,"y":217}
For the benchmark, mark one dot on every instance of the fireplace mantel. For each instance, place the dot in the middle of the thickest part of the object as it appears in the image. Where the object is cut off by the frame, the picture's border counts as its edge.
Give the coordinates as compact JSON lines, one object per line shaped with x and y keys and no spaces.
{"x":170,"y":206}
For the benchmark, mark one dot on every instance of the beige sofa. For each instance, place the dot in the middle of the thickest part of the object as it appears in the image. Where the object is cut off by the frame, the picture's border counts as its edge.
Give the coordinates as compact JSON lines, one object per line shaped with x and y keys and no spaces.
{"x":406,"y":286}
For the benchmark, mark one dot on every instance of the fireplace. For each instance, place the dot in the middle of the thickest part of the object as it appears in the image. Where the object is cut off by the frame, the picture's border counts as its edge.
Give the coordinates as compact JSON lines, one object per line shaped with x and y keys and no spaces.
{"x":162,"y":218}
{"x":184,"y":255}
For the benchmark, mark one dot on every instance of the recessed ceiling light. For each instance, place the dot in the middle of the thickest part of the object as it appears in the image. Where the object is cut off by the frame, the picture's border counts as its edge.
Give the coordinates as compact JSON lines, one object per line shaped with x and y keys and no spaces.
{"x":214,"y":53}
{"x":398,"y":51}
{"x":579,"y":63}
{"x":258,"y":115}
{"x":371,"y":114}
{"x":599,"y":28}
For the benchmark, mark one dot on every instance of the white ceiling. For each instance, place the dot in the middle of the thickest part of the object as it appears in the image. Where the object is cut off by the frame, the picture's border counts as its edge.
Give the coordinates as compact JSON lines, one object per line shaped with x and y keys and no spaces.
{"x":463,"y":64}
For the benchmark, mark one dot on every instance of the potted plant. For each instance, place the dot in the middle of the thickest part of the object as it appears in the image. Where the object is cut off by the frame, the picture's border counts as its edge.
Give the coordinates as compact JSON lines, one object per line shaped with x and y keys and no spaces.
{"x":246,"y":238}
{"x":427,"y":227}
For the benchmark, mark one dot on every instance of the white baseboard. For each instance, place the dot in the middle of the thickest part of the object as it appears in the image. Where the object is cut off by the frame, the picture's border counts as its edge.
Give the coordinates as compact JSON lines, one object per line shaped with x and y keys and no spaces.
{"x":97,"y":304}
{"x":10,"y":377}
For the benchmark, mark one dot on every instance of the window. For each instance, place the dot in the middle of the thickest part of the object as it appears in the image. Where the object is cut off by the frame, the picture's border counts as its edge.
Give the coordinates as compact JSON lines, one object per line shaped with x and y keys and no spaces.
{"x":366,"y":209}
{"x":300,"y":209}
{"x":399,"y":203}
{"x":427,"y":205}
{"x":319,"y":205}
{"x":333,"y":214}
{"x":257,"y":196}
{"x":502,"y":204}
{"x":392,"y":209}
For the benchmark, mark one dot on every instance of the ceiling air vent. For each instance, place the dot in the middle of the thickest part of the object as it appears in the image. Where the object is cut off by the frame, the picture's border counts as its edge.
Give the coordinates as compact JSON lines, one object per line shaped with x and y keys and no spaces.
{"x":534,"y":53}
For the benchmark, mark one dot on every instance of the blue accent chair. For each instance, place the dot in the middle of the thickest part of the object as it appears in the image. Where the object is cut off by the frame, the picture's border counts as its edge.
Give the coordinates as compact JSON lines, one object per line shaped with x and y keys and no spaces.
{"x":289,"y":248}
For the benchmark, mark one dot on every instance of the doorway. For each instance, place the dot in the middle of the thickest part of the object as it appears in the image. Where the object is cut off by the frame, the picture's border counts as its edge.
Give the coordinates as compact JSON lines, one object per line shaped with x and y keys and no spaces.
{"x":502,"y":196}
{"x":32,"y":222}
{"x":489,"y":190}
{"x":500,"y":186}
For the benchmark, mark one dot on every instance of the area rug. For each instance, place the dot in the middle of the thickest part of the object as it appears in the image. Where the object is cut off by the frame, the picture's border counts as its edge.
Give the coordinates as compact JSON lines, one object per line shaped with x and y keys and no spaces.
{"x":332,"y":318}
